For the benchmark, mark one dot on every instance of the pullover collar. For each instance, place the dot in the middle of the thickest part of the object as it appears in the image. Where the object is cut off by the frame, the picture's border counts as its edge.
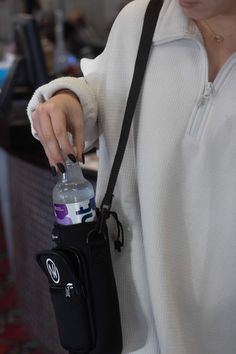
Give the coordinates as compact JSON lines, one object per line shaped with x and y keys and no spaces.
{"x":174,"y":24}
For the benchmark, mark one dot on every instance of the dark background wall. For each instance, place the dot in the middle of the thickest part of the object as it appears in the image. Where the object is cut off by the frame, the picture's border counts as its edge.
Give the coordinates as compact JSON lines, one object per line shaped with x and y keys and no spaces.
{"x":101,"y":20}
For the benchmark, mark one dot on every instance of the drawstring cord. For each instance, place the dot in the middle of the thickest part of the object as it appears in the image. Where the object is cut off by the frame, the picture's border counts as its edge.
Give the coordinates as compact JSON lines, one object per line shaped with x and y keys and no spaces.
{"x":104,"y":214}
{"x":119,"y":242}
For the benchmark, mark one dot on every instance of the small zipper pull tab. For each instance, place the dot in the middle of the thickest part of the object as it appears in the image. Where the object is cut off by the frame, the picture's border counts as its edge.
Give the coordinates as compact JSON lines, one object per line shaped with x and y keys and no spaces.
{"x":208,"y":90}
{"x":68,"y":288}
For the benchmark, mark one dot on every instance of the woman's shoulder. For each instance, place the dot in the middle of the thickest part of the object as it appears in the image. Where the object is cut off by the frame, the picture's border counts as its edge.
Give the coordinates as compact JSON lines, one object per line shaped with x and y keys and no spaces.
{"x":136,"y":9}
{"x":133,"y":9}
{"x":133,"y":13}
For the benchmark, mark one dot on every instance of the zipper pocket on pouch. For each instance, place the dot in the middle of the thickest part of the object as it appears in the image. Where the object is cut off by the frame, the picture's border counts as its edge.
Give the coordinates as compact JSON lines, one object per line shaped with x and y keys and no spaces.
{"x":72,"y":316}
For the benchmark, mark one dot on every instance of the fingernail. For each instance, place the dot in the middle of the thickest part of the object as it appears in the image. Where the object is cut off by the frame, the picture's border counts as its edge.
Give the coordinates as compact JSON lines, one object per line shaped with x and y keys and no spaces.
{"x":72,"y":157}
{"x":54,"y":171}
{"x":83,"y":158}
{"x":61,"y":167}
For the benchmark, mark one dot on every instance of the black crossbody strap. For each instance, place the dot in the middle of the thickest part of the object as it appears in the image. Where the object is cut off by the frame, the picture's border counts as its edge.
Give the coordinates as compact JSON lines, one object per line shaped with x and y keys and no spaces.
{"x":149,"y":25}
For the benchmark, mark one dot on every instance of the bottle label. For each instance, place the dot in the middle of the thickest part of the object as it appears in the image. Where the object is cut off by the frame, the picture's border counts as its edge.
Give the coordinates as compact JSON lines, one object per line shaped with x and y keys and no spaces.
{"x":75,"y":213}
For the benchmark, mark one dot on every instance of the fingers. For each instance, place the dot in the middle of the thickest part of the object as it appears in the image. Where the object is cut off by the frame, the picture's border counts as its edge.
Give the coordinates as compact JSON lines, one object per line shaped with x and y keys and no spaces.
{"x":59,"y":127}
{"x":43,"y":126}
{"x":55,"y":164}
{"x":77,"y":130}
{"x":37,"y":127}
{"x":52,"y":120}
{"x":72,"y":116}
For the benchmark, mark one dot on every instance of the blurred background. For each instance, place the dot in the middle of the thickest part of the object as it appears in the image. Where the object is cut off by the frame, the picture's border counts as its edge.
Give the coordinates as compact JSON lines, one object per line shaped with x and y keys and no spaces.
{"x":39,"y":40}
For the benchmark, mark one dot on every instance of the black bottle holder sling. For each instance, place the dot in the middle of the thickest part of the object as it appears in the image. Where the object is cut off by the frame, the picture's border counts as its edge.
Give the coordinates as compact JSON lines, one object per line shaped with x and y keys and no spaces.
{"x":79,"y":269}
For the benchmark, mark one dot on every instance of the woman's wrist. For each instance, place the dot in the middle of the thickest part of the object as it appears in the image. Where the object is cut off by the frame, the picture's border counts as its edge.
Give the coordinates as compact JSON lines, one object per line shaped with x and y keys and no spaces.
{"x":66,"y":91}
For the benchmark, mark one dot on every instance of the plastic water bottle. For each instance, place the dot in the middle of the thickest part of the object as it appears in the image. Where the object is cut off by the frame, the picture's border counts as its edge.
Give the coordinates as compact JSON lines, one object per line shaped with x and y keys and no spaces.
{"x":73,"y":196}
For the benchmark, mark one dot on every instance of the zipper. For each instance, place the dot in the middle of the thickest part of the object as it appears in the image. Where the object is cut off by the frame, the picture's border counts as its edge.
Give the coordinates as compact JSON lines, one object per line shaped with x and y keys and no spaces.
{"x":204,"y":104}
{"x":69,"y":290}
{"x":200,"y":113}
{"x":202,"y":108}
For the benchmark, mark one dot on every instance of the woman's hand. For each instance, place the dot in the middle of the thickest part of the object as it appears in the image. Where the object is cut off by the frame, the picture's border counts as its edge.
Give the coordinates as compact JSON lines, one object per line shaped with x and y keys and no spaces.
{"x":52,"y":120}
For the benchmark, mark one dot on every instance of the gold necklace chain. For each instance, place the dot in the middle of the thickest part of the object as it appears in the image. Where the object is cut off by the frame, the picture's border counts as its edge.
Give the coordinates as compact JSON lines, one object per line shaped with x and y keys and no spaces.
{"x":217,"y":37}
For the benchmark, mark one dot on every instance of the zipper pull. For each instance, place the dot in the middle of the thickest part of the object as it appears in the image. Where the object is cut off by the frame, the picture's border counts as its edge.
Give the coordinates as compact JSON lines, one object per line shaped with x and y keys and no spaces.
{"x":208,"y":90}
{"x":68,"y":290}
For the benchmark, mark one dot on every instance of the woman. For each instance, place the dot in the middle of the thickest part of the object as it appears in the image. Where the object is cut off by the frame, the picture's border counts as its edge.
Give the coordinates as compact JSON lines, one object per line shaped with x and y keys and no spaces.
{"x":176,"y":193}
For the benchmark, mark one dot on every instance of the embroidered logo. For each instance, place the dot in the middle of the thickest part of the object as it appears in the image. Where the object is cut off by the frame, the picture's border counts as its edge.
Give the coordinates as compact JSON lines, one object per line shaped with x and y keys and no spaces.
{"x":53,"y":271}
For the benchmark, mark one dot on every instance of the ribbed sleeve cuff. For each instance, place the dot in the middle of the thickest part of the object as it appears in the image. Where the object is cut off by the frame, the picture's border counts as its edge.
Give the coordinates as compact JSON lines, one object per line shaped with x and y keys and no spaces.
{"x":78,"y":86}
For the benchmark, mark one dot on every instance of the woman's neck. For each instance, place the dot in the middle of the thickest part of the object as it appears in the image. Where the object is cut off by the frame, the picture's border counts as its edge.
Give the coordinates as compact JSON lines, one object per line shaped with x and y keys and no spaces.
{"x":219,"y":31}
{"x":219,"y":36}
{"x":222,"y":24}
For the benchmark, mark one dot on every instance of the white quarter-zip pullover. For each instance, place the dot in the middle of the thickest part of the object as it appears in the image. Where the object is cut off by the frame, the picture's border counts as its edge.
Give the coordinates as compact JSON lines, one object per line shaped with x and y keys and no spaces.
{"x":176,"y":192}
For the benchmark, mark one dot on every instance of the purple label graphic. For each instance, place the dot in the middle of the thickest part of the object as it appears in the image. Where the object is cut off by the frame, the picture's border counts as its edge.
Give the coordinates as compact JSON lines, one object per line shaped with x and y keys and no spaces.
{"x":74,"y":213}
{"x":61,"y":213}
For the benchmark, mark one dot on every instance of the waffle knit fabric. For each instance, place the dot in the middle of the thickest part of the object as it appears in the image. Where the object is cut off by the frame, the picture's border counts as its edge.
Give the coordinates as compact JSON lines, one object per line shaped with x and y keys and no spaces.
{"x":176,"y":192}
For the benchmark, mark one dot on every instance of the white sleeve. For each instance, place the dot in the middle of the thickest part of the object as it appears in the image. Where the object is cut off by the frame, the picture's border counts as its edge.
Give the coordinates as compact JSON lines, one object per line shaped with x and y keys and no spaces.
{"x":85,"y":95}
{"x":91,"y":89}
